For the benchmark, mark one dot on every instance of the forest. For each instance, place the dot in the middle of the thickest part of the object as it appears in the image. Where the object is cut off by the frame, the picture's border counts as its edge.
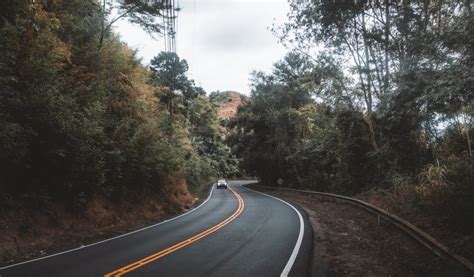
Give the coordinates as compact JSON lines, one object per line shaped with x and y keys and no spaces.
{"x":375,"y":99}
{"x":80,"y":115}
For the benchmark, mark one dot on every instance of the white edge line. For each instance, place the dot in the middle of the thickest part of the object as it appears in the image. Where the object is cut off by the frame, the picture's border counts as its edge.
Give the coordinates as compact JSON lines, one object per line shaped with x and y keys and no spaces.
{"x":109,"y":239}
{"x":297,"y":247}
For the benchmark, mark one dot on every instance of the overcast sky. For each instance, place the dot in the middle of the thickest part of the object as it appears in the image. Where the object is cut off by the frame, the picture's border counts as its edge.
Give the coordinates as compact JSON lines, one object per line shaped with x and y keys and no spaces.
{"x":222,"y":40}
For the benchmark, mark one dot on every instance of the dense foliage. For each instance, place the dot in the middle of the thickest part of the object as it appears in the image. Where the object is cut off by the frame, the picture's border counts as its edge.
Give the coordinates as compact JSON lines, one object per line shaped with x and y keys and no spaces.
{"x":376,"y":95}
{"x":77,"y":119}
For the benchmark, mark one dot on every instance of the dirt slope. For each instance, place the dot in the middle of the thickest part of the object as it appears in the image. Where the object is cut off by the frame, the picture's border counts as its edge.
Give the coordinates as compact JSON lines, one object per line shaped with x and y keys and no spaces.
{"x":228,"y":103}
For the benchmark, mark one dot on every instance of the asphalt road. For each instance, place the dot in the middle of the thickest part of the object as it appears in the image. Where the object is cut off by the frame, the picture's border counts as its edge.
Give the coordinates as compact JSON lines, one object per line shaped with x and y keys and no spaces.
{"x":235,"y":232}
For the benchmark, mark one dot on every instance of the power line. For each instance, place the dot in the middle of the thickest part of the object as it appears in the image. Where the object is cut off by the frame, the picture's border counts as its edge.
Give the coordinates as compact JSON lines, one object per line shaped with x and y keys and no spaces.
{"x":170,"y":24}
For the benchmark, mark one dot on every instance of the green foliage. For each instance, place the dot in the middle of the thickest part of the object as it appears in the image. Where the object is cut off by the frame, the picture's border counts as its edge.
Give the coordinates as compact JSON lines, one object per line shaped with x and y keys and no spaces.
{"x":170,"y":73}
{"x":263,"y":130}
{"x":76,"y":120}
{"x":374,"y":97}
{"x":143,"y":13}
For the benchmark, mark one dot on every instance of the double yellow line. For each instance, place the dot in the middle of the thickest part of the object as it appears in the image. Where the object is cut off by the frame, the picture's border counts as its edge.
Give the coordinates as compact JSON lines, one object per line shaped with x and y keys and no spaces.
{"x":126,"y":269}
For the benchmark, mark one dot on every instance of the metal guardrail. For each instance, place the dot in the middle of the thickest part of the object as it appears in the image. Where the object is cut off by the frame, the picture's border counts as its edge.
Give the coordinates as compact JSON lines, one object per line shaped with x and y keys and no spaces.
{"x":416,"y":233}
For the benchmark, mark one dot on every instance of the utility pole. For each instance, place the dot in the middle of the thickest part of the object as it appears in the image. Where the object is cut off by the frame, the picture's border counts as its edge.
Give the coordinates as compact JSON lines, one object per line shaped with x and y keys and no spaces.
{"x":170,"y":24}
{"x":169,"y":36}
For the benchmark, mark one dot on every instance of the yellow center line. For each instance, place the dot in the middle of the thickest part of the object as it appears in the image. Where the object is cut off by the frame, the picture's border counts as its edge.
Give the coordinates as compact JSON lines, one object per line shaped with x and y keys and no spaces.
{"x":126,"y":269}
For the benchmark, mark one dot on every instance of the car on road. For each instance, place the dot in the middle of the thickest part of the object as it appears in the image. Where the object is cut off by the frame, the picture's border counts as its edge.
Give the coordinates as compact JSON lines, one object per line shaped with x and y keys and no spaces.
{"x":221,"y":184}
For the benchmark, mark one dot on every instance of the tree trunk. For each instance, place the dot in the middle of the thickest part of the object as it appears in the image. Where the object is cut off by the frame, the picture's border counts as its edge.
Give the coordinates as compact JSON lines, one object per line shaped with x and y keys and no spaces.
{"x":102,"y":27}
{"x":387,"y":46}
{"x":372,"y":137}
{"x":298,"y":177}
{"x":469,"y":143}
{"x":369,"y":86}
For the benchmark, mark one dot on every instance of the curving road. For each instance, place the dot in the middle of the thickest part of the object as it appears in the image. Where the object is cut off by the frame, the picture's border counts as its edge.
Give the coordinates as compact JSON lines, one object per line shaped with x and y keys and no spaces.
{"x":235,"y":232}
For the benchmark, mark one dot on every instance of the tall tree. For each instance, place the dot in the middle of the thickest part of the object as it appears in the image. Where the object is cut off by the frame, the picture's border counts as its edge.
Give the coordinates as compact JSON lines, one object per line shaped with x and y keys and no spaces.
{"x":170,"y":72}
{"x":146,"y":14}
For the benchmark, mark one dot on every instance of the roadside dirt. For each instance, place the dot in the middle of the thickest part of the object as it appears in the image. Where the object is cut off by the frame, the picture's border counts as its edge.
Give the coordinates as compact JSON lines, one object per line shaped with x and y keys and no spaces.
{"x":38,"y":228}
{"x":352,"y":242}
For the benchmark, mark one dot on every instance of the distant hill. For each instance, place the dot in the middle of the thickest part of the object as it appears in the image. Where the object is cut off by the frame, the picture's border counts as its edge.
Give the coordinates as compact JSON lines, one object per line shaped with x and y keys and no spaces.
{"x":228,"y":102}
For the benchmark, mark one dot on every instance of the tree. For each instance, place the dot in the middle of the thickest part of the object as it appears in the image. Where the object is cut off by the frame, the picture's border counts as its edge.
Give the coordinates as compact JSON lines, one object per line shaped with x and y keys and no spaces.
{"x":170,"y":72}
{"x":140,"y":12}
{"x":263,"y":131}
{"x":76,"y":122}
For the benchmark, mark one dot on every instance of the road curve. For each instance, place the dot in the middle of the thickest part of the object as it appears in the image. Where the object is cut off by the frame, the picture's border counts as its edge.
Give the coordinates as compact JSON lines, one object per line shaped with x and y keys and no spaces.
{"x":236,"y":232}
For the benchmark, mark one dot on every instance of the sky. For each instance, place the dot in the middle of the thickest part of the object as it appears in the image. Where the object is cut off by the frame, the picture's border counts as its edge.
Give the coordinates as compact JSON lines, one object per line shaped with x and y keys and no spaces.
{"x":222,"y":40}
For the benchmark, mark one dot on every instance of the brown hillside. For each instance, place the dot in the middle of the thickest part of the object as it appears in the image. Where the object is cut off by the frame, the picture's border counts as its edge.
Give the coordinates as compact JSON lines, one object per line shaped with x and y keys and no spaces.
{"x":228,"y":102}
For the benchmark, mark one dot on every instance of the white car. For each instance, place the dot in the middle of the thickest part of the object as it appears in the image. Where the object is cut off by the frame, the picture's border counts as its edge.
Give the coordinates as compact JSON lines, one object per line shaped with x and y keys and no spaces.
{"x":221,"y":184}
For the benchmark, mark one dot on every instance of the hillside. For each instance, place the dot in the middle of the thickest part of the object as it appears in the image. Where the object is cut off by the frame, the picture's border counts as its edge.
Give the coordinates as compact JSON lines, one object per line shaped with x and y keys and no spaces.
{"x":228,"y":102}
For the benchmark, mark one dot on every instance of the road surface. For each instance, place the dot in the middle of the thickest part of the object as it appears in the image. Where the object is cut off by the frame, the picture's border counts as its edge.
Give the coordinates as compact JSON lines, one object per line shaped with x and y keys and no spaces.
{"x":235,"y":232}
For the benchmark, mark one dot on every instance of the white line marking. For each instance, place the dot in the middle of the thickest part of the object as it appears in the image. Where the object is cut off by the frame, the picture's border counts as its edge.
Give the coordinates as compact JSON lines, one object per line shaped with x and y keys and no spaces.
{"x":109,"y":239}
{"x":297,"y":247}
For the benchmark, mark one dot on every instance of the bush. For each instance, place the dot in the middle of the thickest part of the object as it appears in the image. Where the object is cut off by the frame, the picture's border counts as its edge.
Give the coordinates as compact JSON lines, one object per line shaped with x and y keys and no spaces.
{"x":458,"y":204}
